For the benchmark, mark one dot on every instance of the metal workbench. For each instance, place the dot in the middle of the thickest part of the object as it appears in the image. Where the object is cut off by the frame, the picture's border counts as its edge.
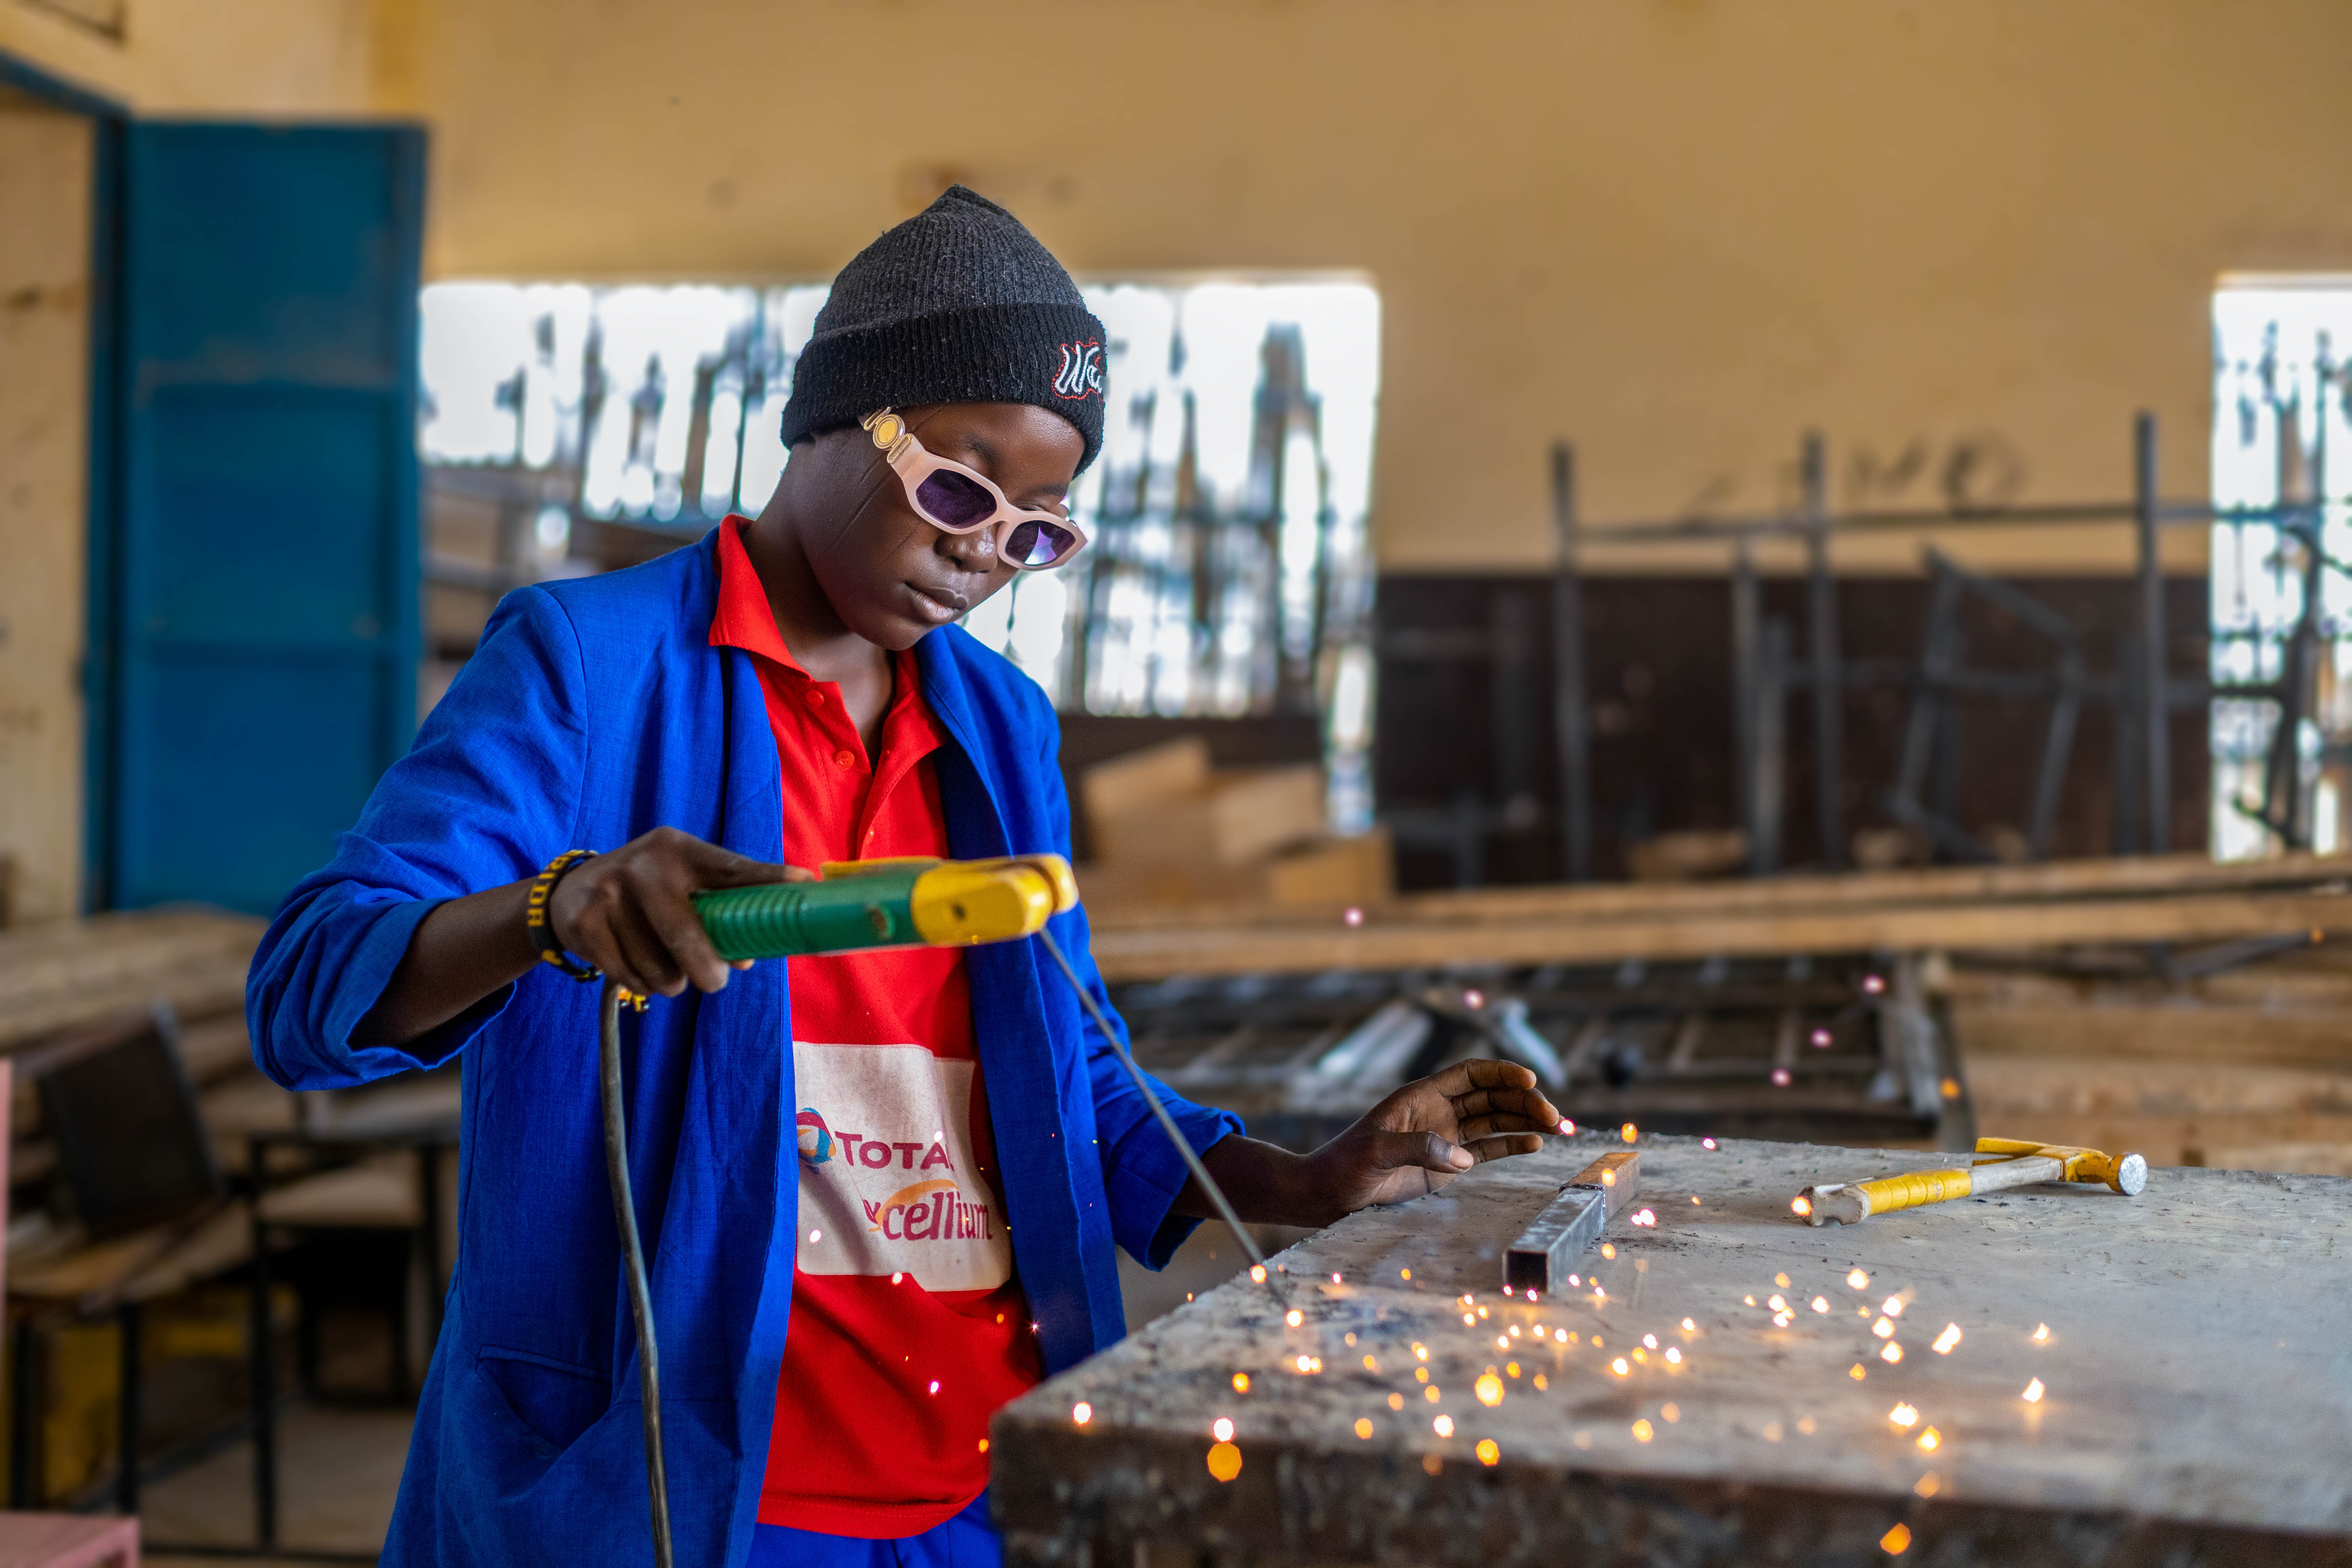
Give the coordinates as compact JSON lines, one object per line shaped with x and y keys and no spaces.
{"x":2194,"y":1380}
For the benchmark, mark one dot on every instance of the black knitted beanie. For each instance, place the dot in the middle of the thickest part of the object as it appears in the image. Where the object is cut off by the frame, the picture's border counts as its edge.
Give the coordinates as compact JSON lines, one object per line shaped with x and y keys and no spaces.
{"x":957,"y":304}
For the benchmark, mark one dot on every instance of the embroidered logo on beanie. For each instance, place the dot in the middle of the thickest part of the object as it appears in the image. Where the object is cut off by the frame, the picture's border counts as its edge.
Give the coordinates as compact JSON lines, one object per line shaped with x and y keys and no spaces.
{"x":1081,"y":372}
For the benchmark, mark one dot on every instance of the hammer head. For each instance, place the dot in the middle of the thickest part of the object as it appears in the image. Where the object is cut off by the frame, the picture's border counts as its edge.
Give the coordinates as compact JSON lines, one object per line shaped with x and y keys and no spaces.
{"x":2126,"y":1173}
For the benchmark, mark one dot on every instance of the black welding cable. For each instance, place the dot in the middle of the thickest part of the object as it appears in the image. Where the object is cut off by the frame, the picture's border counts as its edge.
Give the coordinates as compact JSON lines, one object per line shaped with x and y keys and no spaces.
{"x":1143,"y":1086}
{"x":633,"y":1255}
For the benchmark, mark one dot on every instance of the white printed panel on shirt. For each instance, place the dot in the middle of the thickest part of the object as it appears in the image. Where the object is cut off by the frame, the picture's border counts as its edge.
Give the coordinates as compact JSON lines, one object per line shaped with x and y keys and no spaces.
{"x":888,"y":1181}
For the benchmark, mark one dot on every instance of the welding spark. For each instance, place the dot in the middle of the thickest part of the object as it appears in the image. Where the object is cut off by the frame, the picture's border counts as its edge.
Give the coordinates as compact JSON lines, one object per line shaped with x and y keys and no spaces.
{"x":1857,"y":1281}
{"x":1671,"y":1411}
{"x":1488,"y":1452}
{"x":1706,"y":1142}
{"x":1651,"y":1341}
{"x":1082,"y":1413}
{"x":1643,"y":1431}
{"x":1781,"y":1319}
{"x":1567,"y":1128}
{"x":1820,"y":1039}
{"x":1510,"y":1369}
{"x":1892,"y":1353}
{"x":1892,"y":1305}
{"x":1895,"y":1542}
{"x":2034,"y":1391}
{"x":1772,"y":1432}
{"x":1690,"y":1325}
{"x":1372,"y":1366}
{"x":1629,"y":1132}
{"x":1926,"y":1485}
{"x":1904,"y":1415}
{"x":1782,"y":1078}
{"x":1443,"y":1425}
{"x":1224,"y":1461}
{"x":1929,"y":1438}
{"x":1620,"y":1367}
{"x":1947,"y":1339}
{"x":1873,"y":985}
{"x":1352,"y":916}
{"x":1540,"y":1381}
{"x":1363,"y":1427}
{"x":1431,"y":1394}
{"x":1294,"y":1317}
{"x":1396,"y":1400}
{"x":1221,"y":1429}
{"x":1560,"y":1336}
{"x":1257,"y":1273}
{"x":1781,"y":1280}
{"x":1488,"y":1389}
{"x":1421,"y":1352}
{"x":1241,"y":1383}
{"x":1777,"y":1303}
{"x":1882,"y":1328}
{"x":1473,"y":998}
{"x":1645,"y":1217}
{"x":935,"y":1385}
{"x":1858,"y":1372}
{"x":1821,"y":1303}
{"x":1801,"y":1205}
{"x":815,"y":1235}
{"x":1674,"y":1355}
{"x":2041,"y":1333}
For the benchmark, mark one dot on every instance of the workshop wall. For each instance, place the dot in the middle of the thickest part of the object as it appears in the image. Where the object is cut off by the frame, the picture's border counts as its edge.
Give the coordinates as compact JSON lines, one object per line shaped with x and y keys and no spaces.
{"x":45,"y":226}
{"x":245,"y":59}
{"x":1966,"y":242}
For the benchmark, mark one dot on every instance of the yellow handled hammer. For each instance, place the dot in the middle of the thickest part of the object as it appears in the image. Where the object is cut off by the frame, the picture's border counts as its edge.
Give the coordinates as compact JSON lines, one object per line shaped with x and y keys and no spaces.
{"x":2019,"y":1163}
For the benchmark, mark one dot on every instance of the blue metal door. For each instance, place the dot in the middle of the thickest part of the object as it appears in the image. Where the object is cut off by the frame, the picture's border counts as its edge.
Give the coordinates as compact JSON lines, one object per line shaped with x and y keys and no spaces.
{"x":257,"y":652}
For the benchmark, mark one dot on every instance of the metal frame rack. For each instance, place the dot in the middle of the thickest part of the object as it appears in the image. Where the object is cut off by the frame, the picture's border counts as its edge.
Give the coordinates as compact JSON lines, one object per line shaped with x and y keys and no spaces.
{"x":1846,"y":1049}
{"x":2143,"y":691}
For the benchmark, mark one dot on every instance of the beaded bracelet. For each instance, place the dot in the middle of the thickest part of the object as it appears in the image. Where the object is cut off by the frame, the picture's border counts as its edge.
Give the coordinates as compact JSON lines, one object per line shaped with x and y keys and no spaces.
{"x":541,"y":926}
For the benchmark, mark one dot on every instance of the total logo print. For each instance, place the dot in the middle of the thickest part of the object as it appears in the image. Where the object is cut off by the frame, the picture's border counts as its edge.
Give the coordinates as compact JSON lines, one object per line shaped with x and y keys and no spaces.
{"x":929,"y":1209}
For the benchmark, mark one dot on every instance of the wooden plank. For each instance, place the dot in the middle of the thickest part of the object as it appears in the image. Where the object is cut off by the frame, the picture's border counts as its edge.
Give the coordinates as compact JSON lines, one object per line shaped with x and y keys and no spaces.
{"x":2129,"y":877}
{"x":1131,"y":954}
{"x":2190,"y":1387}
{"x":59,"y":977}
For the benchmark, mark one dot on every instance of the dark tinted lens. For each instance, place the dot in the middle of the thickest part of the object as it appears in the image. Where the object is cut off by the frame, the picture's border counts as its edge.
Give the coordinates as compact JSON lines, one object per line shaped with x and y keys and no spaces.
{"x":953,"y":499}
{"x":1039,"y":544}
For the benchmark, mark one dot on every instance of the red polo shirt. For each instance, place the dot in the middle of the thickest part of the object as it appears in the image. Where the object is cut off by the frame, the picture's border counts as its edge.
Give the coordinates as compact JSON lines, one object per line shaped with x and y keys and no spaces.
{"x":907,"y":1328}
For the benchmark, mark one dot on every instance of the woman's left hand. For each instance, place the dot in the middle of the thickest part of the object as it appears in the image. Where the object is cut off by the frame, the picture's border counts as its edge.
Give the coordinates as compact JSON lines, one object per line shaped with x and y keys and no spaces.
{"x":1430,"y":1132}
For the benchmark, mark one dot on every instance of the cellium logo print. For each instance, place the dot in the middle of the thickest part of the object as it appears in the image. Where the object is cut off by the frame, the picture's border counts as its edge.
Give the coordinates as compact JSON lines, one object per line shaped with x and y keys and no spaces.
{"x":1081,"y":372}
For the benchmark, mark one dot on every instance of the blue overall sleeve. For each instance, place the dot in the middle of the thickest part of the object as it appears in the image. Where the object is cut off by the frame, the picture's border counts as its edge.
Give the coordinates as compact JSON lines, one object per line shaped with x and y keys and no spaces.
{"x":1142,"y":1171}
{"x":488,"y":794}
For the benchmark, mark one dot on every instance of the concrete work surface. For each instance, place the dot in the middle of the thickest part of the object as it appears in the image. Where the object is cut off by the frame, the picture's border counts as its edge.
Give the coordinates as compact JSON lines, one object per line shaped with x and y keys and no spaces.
{"x":2083,"y":1379}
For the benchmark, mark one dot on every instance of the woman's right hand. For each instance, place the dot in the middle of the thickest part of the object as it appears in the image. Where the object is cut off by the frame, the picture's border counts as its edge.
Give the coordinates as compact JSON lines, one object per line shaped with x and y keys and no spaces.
{"x":630,"y":911}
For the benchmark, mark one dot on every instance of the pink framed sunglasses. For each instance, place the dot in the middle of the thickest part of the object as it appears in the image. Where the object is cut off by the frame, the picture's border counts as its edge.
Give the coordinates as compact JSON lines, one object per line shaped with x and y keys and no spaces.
{"x":954,"y":498}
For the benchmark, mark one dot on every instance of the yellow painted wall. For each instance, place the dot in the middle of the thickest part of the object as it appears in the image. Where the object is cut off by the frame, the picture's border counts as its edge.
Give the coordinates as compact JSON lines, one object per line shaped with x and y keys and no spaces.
{"x":1679,"y":231}
{"x":45,"y":166}
{"x":229,"y":57}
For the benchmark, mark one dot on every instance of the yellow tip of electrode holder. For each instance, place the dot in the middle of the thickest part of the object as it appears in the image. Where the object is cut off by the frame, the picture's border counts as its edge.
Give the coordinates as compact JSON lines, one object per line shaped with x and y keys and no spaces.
{"x":960,"y":903}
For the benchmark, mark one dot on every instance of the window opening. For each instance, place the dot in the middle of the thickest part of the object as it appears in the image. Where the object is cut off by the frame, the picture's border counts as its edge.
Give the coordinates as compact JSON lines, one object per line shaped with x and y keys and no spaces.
{"x":2282,"y":582}
{"x":568,"y":428}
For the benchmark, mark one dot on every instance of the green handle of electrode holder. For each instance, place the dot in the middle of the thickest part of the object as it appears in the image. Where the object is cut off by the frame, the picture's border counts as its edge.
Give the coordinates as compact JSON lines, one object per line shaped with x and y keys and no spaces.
{"x":860,"y":904}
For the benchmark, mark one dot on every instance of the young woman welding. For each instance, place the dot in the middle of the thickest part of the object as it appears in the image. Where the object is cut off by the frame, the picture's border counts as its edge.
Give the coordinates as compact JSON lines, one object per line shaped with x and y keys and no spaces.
{"x":878,"y":1191}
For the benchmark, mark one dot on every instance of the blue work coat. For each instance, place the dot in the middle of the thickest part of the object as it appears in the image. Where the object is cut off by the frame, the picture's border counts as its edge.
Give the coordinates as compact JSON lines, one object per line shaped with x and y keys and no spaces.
{"x":592,"y":712}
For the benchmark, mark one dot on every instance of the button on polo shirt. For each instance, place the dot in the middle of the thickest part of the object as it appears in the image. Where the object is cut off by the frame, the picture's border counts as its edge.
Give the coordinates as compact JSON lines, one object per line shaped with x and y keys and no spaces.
{"x":908,"y":1327}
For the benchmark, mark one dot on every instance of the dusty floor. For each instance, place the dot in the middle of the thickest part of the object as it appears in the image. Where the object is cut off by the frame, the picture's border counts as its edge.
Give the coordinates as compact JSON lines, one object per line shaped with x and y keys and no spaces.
{"x":338,"y":1471}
